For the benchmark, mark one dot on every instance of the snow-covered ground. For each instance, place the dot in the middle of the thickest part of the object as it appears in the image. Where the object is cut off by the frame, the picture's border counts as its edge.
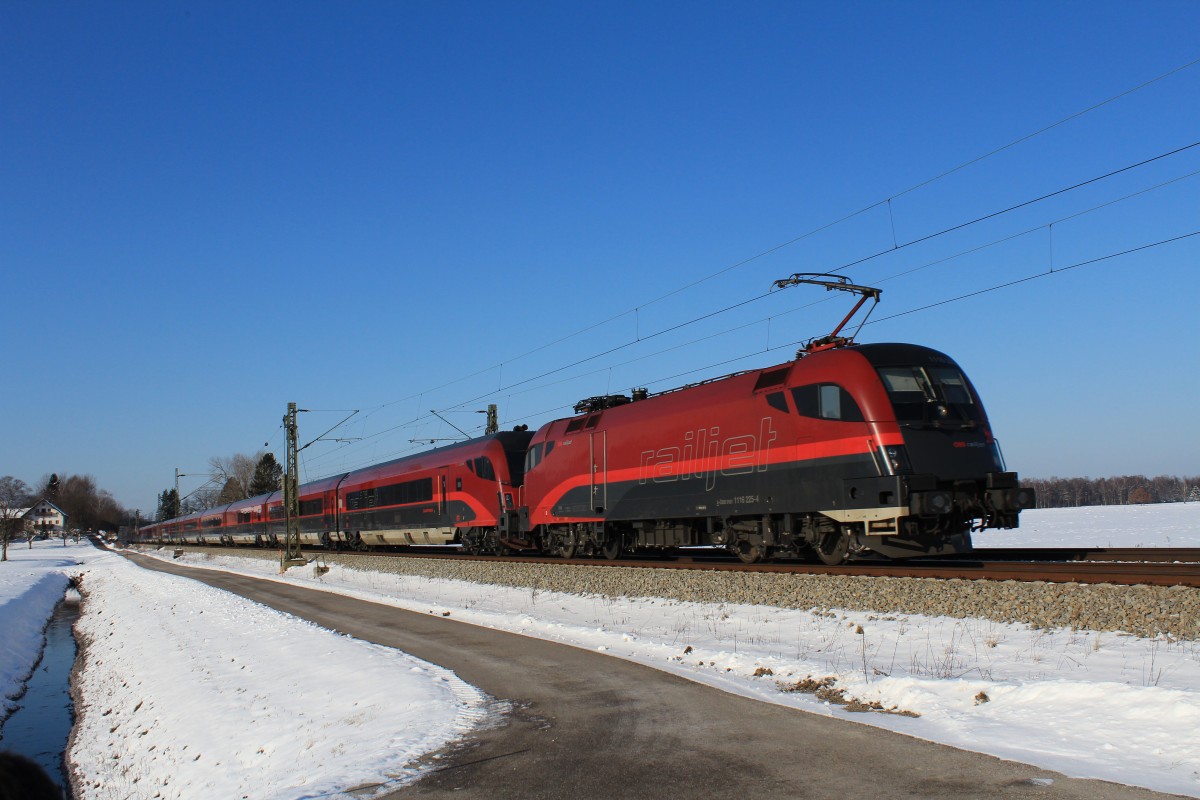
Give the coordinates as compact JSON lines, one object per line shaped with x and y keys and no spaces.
{"x":1162,"y":525}
{"x":190,"y":692}
{"x":1101,"y":705}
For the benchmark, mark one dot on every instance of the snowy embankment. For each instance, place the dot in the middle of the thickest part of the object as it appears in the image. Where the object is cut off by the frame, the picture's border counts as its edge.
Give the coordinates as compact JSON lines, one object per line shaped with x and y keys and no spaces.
{"x":187,"y":691}
{"x":31,"y":584}
{"x":1096,"y":705}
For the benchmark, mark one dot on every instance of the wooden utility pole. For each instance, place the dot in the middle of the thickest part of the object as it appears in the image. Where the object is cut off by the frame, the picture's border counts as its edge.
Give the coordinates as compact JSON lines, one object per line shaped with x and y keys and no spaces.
{"x":291,"y":556}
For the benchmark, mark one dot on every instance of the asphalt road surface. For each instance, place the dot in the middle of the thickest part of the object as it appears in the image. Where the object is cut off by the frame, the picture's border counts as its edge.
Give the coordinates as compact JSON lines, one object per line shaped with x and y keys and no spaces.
{"x":585,"y":725}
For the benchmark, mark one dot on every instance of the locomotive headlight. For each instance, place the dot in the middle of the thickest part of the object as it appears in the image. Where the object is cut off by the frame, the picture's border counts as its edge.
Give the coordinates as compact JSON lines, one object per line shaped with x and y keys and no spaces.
{"x":896,"y":459}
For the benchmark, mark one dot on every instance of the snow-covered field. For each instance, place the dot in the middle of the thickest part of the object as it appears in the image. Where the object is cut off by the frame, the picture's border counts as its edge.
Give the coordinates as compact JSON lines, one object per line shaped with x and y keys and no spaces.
{"x":1165,"y":525}
{"x":1088,"y":704}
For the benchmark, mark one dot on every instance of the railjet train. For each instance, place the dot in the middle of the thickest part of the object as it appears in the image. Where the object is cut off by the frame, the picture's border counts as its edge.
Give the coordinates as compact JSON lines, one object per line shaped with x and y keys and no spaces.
{"x":847,"y":453}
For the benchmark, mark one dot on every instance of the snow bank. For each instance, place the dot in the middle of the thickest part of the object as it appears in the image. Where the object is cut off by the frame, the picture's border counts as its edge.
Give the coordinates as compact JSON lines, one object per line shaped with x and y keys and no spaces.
{"x":188,"y":691}
{"x":30,"y":588}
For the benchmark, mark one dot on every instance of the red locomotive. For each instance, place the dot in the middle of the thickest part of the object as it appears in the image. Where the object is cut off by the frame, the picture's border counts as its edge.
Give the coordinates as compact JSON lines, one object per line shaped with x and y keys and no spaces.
{"x":874,"y":449}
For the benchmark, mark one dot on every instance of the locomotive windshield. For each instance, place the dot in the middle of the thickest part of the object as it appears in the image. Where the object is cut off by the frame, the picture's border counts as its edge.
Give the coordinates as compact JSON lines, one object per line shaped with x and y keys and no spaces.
{"x":930,"y":395}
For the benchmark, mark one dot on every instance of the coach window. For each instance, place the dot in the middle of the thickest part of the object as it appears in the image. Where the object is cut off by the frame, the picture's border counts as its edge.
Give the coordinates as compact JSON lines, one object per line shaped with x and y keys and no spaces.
{"x":778,"y":400}
{"x":549,"y":447}
{"x":484,"y":468}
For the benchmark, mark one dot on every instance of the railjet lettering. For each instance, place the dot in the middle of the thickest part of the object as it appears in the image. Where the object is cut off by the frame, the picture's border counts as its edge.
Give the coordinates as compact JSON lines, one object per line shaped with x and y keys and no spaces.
{"x":704,"y":455}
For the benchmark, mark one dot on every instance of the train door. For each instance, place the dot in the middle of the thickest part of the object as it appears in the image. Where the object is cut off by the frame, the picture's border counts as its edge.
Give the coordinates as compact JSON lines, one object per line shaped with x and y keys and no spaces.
{"x":338,"y":526}
{"x":443,"y":505}
{"x":599,"y":476}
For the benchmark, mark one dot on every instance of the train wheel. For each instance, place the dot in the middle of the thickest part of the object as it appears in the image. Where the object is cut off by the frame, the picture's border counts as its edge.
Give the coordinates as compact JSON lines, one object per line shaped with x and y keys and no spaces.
{"x":568,"y":543}
{"x":749,"y":552}
{"x":472,"y":543}
{"x":832,"y":548}
{"x":611,"y":549}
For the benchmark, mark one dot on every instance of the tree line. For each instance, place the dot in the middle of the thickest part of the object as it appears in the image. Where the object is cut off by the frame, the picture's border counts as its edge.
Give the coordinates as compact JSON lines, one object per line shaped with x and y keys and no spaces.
{"x":79,"y":496}
{"x":1114,"y":491}
{"x":229,"y":480}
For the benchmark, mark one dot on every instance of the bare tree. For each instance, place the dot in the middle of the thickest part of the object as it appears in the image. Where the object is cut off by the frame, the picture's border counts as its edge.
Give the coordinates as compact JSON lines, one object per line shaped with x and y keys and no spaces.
{"x":14,"y":498}
{"x":202,"y":498}
{"x":78,"y":499}
{"x":236,"y":474}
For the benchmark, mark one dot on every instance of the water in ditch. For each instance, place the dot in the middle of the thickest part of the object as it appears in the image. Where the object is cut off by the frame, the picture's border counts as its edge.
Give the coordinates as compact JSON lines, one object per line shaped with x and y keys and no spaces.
{"x":39,"y":728}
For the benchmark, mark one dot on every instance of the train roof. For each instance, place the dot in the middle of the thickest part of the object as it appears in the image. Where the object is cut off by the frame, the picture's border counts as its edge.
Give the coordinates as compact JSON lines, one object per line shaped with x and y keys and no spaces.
{"x":878,"y":355}
{"x":446,"y":454}
{"x":249,"y":502}
{"x":894,"y":354}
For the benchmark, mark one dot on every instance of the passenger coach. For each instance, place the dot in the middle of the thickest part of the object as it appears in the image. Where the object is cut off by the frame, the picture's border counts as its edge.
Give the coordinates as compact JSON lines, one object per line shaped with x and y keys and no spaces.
{"x":450,"y":494}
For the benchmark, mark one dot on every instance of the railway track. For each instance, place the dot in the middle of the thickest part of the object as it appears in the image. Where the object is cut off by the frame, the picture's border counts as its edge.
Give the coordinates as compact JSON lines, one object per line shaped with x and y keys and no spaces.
{"x":1147,"y":566}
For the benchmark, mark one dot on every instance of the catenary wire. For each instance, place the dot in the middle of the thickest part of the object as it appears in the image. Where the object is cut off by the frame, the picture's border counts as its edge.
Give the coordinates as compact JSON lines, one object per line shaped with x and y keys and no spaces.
{"x":381,"y":434}
{"x":966,"y":296}
{"x":928,"y":237}
{"x":812,"y":232}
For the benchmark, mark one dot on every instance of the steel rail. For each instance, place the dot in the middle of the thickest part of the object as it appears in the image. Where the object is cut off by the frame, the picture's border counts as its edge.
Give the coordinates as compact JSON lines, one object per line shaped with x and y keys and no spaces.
{"x":1153,"y":566}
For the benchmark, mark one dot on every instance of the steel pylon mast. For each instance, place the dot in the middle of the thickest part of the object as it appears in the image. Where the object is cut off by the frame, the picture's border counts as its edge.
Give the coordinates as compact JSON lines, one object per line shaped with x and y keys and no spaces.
{"x":291,"y":556}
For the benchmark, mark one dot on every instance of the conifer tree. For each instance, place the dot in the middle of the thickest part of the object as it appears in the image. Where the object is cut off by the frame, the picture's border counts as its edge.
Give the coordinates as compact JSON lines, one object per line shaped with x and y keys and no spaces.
{"x":268,"y":476}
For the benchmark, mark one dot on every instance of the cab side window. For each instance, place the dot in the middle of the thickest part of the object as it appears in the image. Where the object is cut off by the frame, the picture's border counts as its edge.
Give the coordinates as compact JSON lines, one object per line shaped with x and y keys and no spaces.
{"x":826,"y":401}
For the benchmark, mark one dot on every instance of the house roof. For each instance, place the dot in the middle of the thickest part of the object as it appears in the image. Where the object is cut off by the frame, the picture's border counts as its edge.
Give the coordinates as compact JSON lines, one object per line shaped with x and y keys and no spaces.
{"x":49,"y":503}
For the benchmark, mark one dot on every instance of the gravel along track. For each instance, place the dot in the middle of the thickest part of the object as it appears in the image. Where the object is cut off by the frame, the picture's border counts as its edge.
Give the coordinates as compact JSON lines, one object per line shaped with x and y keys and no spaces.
{"x":1140,"y":610}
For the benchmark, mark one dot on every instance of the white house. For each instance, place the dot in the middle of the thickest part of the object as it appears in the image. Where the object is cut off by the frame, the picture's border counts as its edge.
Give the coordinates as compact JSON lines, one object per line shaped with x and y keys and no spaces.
{"x":45,"y":516}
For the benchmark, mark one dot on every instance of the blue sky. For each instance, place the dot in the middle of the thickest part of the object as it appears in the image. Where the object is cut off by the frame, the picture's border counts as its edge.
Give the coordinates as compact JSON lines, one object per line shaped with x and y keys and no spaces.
{"x":210,"y":210}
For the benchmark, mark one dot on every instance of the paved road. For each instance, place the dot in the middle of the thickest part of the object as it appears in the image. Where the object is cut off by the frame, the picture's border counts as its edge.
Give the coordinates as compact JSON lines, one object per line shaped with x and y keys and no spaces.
{"x":586,"y":725}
